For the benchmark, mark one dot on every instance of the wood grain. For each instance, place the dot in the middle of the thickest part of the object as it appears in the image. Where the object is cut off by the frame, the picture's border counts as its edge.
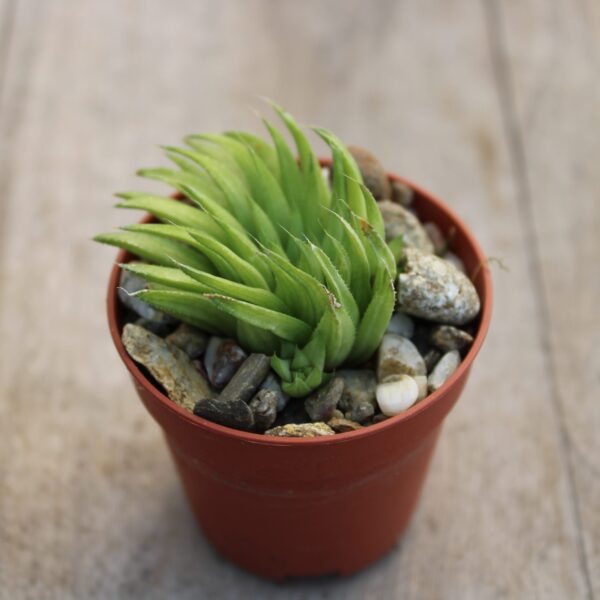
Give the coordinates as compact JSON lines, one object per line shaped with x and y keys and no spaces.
{"x":90,"y":506}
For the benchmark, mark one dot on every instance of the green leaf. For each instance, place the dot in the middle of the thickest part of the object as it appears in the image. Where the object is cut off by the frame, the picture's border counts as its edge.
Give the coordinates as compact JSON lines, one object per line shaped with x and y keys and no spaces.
{"x":192,"y":308}
{"x":169,"y":276}
{"x":154,"y":248}
{"x":282,"y":325}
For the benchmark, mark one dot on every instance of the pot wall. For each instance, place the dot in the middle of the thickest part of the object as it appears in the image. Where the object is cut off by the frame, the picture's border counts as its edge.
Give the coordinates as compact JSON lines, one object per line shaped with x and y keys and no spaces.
{"x":285,"y":507}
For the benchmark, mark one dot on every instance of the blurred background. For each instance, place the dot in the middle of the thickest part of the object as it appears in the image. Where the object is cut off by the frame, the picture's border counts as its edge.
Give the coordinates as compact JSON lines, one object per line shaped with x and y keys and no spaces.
{"x":492,"y":105}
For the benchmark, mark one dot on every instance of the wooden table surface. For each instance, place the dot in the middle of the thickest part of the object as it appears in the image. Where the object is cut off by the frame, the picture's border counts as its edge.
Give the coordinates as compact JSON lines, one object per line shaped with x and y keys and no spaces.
{"x":494,"y":106}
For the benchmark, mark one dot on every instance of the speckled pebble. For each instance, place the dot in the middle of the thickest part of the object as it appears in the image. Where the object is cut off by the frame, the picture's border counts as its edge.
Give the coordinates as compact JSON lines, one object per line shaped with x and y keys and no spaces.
{"x":447,"y":338}
{"x":399,"y":221}
{"x":397,"y":355}
{"x":431,"y":288}
{"x":169,"y":365}
{"x":442,"y":371}
{"x":301,"y":430}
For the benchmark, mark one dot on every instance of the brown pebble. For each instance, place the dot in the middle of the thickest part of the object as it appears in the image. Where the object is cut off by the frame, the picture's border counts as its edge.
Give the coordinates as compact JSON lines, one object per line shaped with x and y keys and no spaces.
{"x":301,"y":430}
{"x":343,"y":425}
{"x":373,"y":173}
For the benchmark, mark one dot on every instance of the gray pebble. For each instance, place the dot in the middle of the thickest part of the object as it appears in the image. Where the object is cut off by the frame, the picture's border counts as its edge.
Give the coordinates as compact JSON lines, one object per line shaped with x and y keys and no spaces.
{"x":379,"y":418}
{"x":129,"y":283}
{"x":398,"y":356}
{"x":271,"y":382}
{"x":455,"y":261}
{"x":169,"y":365}
{"x":189,"y":339}
{"x":373,"y":173}
{"x":321,"y":404}
{"x":302,"y":430}
{"x":447,"y":338}
{"x":431,"y":288}
{"x":264,"y":409}
{"x":221,"y":360}
{"x":402,"y":194}
{"x":440,"y":244}
{"x":402,"y":325}
{"x":231,"y":413}
{"x":160,"y":327}
{"x":399,"y":221}
{"x":247,"y":379}
{"x":358,"y":401}
{"x":445,"y":367}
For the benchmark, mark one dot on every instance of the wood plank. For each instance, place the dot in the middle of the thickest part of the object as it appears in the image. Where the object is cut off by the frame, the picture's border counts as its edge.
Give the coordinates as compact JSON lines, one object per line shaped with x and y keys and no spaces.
{"x":554,"y":77}
{"x":90,"y":505}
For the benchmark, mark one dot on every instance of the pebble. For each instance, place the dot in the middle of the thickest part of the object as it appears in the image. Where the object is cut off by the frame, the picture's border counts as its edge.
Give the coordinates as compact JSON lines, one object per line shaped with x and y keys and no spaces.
{"x":402,"y":194}
{"x":358,"y":401}
{"x":373,"y":173}
{"x":447,"y":338}
{"x":231,"y":413}
{"x":272,"y":383}
{"x":169,"y":365}
{"x":431,"y":288}
{"x":379,"y":418}
{"x":189,"y":339}
{"x":422,"y":384}
{"x":247,"y":379}
{"x":401,"y":324}
{"x":440,"y":244}
{"x":221,"y":360}
{"x":454,"y":260}
{"x":301,"y":430}
{"x":264,"y":409}
{"x":321,"y":404}
{"x":398,"y":356}
{"x":343,"y":425}
{"x":400,"y":221}
{"x":337,"y":414}
{"x":159,"y":327}
{"x":445,"y":367}
{"x":396,"y":396}
{"x":431,"y":359}
{"x":129,"y":283}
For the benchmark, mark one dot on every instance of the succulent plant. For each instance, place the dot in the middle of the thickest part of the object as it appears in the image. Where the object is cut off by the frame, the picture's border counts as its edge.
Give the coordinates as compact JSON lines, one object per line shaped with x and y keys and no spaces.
{"x":266,"y":251}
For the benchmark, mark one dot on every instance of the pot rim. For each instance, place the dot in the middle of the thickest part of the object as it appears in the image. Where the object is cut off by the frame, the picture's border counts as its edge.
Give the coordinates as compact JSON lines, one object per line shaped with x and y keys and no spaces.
{"x":339,"y":438}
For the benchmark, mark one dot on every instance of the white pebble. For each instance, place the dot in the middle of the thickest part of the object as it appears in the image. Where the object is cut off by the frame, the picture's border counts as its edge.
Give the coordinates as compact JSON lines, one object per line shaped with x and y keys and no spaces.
{"x":396,"y":396}
{"x":422,"y":383}
{"x":401,"y":324}
{"x":456,"y":261}
{"x":442,"y":371}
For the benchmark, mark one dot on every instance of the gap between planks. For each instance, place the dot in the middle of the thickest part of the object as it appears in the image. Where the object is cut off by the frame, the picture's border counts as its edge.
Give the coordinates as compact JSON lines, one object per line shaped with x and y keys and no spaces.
{"x":494,"y":22}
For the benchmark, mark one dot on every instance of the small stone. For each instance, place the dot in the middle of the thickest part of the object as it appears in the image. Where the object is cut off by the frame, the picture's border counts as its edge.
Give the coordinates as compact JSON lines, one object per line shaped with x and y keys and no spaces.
{"x":321,"y":404}
{"x":454,"y":260}
{"x":398,"y":220}
{"x":343,"y":425}
{"x":431,"y":288}
{"x":231,"y":413}
{"x":396,"y":396}
{"x":358,"y":401}
{"x":440,"y":244}
{"x":271,"y":382}
{"x":189,"y":339}
{"x":447,"y":338}
{"x":431,"y":359}
{"x":221,"y":360}
{"x":247,"y":379}
{"x":264,"y":409}
{"x":442,"y":371}
{"x":422,"y":385}
{"x":373,"y":173}
{"x":402,"y":194}
{"x":401,"y":324}
{"x":379,"y":418}
{"x":169,"y":365}
{"x":398,"y":356}
{"x":129,"y":283}
{"x":337,"y":414}
{"x":160,"y":327}
{"x":304,"y":430}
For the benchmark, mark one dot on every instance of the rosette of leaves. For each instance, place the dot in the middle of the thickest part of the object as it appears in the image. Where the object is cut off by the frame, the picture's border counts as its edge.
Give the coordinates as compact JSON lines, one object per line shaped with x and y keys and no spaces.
{"x":266,"y":251}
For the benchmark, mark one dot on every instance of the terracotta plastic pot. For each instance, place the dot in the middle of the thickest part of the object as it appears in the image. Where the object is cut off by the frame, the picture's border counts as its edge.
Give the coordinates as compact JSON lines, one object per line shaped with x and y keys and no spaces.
{"x":283,"y":507}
